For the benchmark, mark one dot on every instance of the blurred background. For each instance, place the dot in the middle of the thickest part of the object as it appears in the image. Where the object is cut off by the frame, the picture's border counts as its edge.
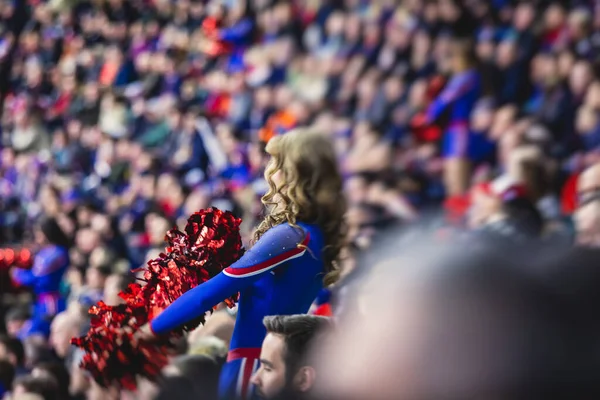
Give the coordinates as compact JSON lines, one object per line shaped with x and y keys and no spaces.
{"x":120,"y":118}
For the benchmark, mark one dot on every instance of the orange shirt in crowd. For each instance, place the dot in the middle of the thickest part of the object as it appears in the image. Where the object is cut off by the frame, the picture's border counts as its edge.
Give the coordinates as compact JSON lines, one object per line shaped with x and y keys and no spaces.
{"x":277,"y":124}
{"x":108,"y":73}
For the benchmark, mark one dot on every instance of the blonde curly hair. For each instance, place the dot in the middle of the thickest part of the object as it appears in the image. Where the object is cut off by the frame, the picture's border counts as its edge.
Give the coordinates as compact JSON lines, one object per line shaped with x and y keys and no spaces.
{"x":311,"y":191}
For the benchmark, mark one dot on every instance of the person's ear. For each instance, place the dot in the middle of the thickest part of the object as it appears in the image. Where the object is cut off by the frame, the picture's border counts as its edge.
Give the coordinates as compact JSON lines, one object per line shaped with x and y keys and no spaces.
{"x":305,"y":378}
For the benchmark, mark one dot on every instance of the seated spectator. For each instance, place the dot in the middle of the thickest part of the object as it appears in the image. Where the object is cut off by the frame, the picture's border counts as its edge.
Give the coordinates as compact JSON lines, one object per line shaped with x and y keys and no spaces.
{"x":12,"y":350}
{"x":115,"y":284}
{"x":44,"y":386}
{"x":65,"y":326}
{"x":501,"y":209}
{"x":18,"y":322}
{"x":37,"y":351}
{"x":95,"y":279}
{"x":56,"y":371}
{"x":177,"y":388}
{"x":285,"y":372}
{"x":202,"y":371}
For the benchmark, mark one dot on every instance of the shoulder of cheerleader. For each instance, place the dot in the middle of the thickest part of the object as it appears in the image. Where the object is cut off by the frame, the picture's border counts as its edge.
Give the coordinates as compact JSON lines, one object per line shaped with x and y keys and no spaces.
{"x":277,"y":246}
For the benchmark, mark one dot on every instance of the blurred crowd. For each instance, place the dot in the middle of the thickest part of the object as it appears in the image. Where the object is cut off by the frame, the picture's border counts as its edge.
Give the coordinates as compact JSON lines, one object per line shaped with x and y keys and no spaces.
{"x":122,"y":117}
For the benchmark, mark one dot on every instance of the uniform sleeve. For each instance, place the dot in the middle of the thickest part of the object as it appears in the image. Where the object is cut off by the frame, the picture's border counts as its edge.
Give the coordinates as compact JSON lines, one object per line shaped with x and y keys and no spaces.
{"x":23,"y":277}
{"x":50,"y":263}
{"x":238,"y":32}
{"x":278,"y":245}
{"x":455,"y":88}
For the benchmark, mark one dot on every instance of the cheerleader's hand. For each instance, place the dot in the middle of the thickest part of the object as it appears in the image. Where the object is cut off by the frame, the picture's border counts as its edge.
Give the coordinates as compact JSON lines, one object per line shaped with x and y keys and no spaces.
{"x":144,"y":334}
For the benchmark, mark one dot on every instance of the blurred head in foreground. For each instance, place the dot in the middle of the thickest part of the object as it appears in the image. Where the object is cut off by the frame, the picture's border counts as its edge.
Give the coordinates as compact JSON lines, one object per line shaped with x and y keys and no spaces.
{"x":481,"y":321}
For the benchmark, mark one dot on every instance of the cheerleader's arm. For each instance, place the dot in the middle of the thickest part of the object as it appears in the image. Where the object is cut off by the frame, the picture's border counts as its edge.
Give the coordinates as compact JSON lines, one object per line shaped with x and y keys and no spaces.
{"x":278,"y":245}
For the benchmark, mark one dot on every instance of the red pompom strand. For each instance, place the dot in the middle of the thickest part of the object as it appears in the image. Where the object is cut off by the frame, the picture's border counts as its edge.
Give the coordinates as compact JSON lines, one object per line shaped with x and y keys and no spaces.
{"x":210,"y":243}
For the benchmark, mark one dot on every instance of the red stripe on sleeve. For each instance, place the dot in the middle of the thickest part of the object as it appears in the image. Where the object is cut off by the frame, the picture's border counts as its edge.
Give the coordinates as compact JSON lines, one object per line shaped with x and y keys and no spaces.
{"x":268,"y":264}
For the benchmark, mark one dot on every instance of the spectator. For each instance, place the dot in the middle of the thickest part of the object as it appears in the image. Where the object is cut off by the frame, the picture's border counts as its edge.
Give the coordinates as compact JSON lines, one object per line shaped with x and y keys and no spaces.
{"x":284,"y":370}
{"x":17,"y":322}
{"x":37,"y":351}
{"x":44,"y":386}
{"x":202,"y":371}
{"x":175,"y":388}
{"x":417,"y":352}
{"x":65,"y":326}
{"x":115,"y":283}
{"x":46,"y":274}
{"x":56,"y":371}
{"x":502,"y":208}
{"x":12,"y":350}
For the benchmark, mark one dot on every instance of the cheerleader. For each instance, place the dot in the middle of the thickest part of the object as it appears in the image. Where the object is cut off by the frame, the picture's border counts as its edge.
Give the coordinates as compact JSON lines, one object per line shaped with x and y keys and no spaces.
{"x":295,"y":253}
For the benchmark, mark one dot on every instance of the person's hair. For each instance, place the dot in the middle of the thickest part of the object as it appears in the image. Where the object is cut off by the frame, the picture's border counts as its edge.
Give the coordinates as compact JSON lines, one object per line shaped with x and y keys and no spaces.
{"x":45,"y":386}
{"x":37,"y":351}
{"x":176,"y":388}
{"x":202,"y":371}
{"x":299,"y":333}
{"x":545,"y":348}
{"x":17,"y":313}
{"x":124,"y":280}
{"x":7,"y":375}
{"x":312,"y":190}
{"x":14,"y":347}
{"x":104,"y":269}
{"x":59,"y":372}
{"x":464,"y":49}
{"x":525,"y":216}
{"x":536,"y":178}
{"x":54,"y":233}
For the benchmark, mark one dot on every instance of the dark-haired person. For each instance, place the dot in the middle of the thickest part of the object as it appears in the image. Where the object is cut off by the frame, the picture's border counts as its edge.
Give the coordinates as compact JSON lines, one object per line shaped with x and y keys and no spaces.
{"x":58,"y":372}
{"x":175,"y":388}
{"x":501,"y":210}
{"x":49,"y":266}
{"x":44,"y":386}
{"x":13,"y":351}
{"x":17,"y":321}
{"x":284,"y":371}
{"x":7,"y":374}
{"x":490,"y":322}
{"x":202,"y":371}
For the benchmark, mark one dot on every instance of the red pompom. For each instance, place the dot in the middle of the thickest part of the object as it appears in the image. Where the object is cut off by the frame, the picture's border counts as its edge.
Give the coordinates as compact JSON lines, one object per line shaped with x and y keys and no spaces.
{"x":210,"y":243}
